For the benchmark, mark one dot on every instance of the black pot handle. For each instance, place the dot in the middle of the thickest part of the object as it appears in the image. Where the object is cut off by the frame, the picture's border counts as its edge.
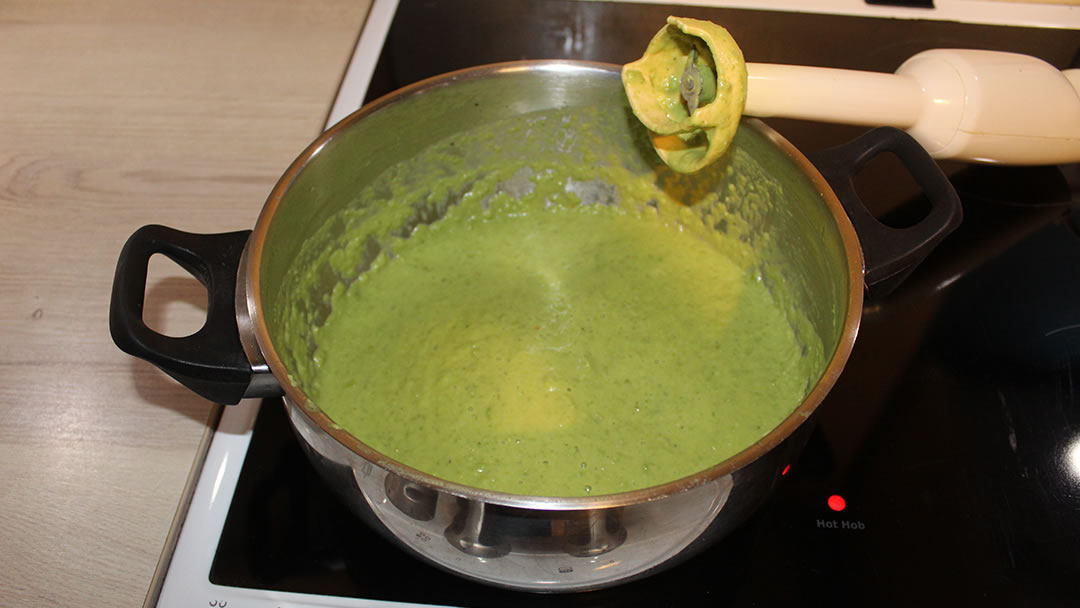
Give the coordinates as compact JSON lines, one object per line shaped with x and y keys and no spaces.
{"x":891,"y":253}
{"x":211,"y":361}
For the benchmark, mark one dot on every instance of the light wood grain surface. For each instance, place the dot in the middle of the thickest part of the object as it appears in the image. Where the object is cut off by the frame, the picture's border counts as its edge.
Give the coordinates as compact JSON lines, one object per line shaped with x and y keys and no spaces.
{"x":115,"y":114}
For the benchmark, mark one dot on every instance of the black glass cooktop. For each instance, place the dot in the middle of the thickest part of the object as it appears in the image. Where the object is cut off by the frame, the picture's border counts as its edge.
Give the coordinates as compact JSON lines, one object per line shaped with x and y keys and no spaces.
{"x":952,"y":439}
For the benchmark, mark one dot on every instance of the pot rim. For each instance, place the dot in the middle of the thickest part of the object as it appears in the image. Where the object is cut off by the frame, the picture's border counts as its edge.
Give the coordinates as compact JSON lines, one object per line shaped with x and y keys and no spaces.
{"x":251,"y":280}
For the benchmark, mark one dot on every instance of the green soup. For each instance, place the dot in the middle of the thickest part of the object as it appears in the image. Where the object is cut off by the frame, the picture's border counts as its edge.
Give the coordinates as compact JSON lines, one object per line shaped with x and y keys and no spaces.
{"x":548,"y":327}
{"x":558,"y":349}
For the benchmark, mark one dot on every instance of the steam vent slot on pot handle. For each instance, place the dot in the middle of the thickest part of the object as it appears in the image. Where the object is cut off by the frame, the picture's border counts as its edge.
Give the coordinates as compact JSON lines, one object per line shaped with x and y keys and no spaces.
{"x":211,"y":361}
{"x":891,"y":253}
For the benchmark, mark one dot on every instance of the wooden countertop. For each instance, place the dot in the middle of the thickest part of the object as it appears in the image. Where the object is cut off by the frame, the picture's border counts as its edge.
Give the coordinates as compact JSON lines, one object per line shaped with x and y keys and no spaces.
{"x":115,"y":114}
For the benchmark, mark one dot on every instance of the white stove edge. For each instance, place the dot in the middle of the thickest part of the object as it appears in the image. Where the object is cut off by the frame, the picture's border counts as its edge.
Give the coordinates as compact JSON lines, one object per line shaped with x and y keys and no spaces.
{"x":362,"y":65}
{"x":182,"y":577}
{"x":187,"y":581}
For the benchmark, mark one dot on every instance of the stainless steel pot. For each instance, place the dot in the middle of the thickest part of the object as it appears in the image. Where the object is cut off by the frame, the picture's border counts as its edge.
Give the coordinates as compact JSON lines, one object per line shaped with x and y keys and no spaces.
{"x":523,"y":542}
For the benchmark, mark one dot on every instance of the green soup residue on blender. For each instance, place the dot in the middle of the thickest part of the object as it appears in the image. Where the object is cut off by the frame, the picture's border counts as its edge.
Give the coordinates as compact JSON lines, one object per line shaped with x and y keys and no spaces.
{"x":552,"y":328}
{"x":688,"y":136}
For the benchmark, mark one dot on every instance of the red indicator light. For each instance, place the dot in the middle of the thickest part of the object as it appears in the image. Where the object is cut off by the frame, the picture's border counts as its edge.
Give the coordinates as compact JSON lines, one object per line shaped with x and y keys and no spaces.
{"x":837,"y":502}
{"x":786,"y":469}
